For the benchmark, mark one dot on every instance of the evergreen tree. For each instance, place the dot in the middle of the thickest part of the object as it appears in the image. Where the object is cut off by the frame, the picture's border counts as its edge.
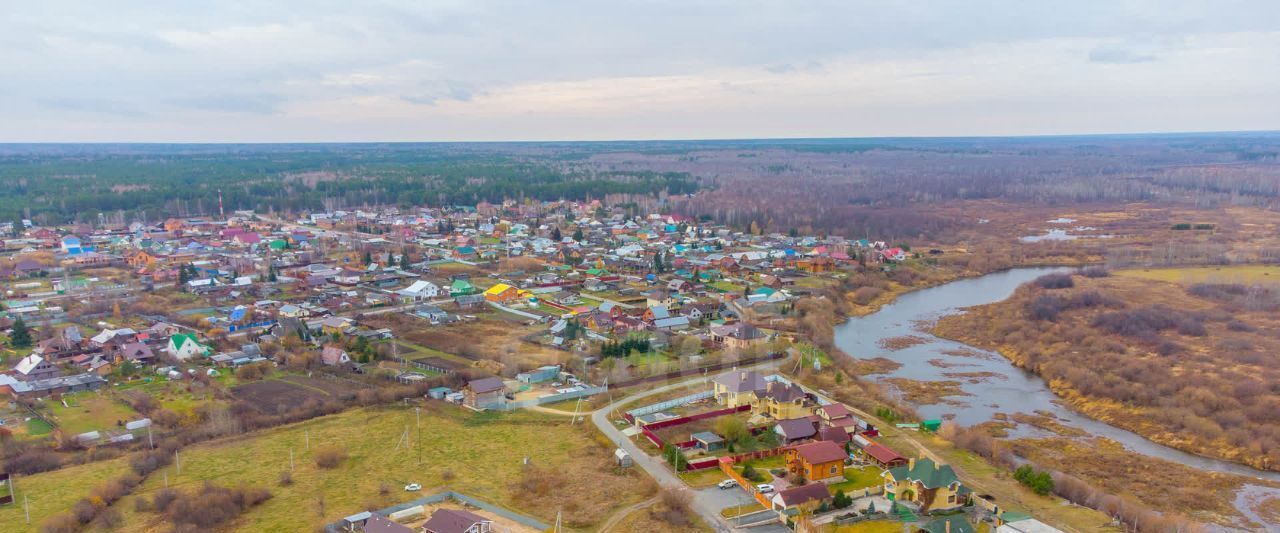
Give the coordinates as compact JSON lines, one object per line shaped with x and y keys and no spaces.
{"x":272,"y":276}
{"x":555,"y":234}
{"x":17,"y":227}
{"x":183,"y":277}
{"x":404,"y":260}
{"x":577,"y":235}
{"x":368,"y":258}
{"x":21,"y":336}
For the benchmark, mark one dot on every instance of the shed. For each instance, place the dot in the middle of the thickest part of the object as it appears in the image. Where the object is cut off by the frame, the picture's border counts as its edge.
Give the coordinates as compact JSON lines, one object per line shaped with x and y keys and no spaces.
{"x":708,"y":441}
{"x":438,"y":392}
{"x":623,"y":458}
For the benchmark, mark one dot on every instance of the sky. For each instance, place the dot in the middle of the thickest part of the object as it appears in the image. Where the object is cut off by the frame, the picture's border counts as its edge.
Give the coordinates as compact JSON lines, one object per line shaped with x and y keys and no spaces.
{"x":475,"y":70}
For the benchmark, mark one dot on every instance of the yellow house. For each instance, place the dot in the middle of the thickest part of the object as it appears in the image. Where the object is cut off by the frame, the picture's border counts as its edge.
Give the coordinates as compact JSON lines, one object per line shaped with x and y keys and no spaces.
{"x":501,"y":293}
{"x":782,"y":401}
{"x":817,"y":461}
{"x":931,"y":485}
{"x":739,"y":387}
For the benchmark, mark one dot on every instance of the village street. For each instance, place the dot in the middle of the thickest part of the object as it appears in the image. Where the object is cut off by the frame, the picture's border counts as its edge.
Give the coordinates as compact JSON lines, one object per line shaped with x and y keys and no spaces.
{"x":708,"y":502}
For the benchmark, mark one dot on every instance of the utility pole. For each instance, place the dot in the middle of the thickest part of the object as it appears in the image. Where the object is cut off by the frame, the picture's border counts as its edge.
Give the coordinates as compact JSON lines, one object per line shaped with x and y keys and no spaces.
{"x":291,"y":459}
{"x":26,"y":508}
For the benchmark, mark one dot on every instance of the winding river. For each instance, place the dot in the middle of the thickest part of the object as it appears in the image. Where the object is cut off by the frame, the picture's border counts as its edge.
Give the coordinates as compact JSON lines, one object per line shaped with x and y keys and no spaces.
{"x":1009,"y":389}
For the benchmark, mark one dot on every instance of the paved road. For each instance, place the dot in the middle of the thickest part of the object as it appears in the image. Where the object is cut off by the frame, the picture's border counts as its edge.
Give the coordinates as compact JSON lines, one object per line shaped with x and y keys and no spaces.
{"x":706,"y":503}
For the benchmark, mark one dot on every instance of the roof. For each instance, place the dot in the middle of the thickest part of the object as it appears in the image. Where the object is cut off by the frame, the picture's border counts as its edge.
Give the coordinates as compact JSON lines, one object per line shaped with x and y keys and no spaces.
{"x":928,"y":473}
{"x":741,"y":381}
{"x":452,"y":521}
{"x":1026,"y":525}
{"x":498,"y":289}
{"x":836,"y":410}
{"x":483,"y":385}
{"x":804,"y":493}
{"x":28,"y":364}
{"x":379,"y":524}
{"x":707,"y":437}
{"x":883,"y":454}
{"x":781,"y":392}
{"x":821,"y":452}
{"x":797,"y":428}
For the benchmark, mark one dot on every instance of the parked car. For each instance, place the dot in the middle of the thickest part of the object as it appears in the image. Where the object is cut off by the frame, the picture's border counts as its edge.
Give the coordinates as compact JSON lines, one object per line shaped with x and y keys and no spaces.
{"x":764,"y":488}
{"x":728,"y":484}
{"x":412,"y":487}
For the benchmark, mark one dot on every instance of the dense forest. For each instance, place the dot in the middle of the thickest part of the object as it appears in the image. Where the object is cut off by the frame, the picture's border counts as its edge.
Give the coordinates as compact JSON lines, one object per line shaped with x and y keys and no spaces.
{"x":61,"y":183}
{"x":877,"y":186}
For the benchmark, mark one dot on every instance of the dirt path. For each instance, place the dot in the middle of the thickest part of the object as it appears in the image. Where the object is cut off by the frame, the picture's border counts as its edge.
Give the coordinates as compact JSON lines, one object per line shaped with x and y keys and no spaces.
{"x":624,"y":512}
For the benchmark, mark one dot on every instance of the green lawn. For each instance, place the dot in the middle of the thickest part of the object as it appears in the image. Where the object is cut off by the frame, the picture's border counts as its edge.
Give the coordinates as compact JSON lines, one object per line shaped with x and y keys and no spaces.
{"x":857,"y":479}
{"x":703,"y":478}
{"x":38,"y":428}
{"x":725,"y":286}
{"x":53,"y":492}
{"x":88,"y":411}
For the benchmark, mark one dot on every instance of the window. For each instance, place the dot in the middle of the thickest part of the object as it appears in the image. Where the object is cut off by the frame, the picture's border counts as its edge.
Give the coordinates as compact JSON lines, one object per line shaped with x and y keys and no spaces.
{"x":833,"y":469}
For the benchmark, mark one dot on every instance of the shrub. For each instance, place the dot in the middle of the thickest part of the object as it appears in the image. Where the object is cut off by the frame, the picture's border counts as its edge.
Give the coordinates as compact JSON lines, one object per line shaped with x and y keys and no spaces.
{"x":1055,"y":281}
{"x":60,"y":523}
{"x":33,"y":462}
{"x":330,"y":456}
{"x":212,"y":506}
{"x":286,"y":479}
{"x":1095,"y":272}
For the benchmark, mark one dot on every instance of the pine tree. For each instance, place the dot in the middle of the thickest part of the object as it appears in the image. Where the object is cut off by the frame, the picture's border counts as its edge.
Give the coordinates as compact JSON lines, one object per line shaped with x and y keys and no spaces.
{"x":555,"y":234}
{"x":577,"y":235}
{"x":368,"y":258}
{"x":404,"y":260}
{"x":271,"y":274}
{"x":21,"y":336}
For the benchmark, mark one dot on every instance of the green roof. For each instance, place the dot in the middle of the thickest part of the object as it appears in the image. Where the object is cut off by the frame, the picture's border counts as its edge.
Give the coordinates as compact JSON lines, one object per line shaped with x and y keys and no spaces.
{"x":928,"y":473}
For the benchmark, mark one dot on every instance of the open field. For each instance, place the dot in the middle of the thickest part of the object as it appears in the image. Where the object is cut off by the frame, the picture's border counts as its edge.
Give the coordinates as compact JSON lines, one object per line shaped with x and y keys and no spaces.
{"x":50,"y":493}
{"x":276,"y":395}
{"x":478,"y":455}
{"x":1248,"y":274}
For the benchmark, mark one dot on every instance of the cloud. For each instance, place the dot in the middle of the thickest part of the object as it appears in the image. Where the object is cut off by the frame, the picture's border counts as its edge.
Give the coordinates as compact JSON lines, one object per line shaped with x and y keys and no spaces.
{"x":398,"y":69}
{"x":260,"y":104}
{"x":93,"y":106}
{"x":1119,"y":56}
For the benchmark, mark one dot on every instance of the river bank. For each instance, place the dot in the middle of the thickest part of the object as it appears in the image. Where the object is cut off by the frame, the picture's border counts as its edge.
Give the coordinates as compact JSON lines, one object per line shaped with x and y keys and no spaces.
{"x":1014,"y":391}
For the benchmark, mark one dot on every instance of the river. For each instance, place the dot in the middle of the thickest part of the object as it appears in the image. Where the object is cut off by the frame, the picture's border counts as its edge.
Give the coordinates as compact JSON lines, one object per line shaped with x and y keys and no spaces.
{"x":1011,"y":389}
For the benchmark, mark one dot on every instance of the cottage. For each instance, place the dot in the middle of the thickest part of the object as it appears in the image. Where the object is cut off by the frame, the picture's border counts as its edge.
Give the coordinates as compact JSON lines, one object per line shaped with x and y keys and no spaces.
{"x":816,"y":461}
{"x":736,"y":388}
{"x":502,"y":293}
{"x":486,"y":393}
{"x":334,"y":355}
{"x":184,"y":346}
{"x":457,"y":521}
{"x":781,"y":400}
{"x":798,"y":500}
{"x":795,"y":429}
{"x":419,"y":291}
{"x":738,"y":335}
{"x":35,"y":368}
{"x":931,"y":485}
{"x":379,"y":524}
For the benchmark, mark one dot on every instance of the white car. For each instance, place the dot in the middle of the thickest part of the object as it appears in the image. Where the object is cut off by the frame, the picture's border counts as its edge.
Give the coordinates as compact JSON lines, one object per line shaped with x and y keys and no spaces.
{"x":764,"y":488}
{"x":728,"y":484}
{"x":412,"y":487}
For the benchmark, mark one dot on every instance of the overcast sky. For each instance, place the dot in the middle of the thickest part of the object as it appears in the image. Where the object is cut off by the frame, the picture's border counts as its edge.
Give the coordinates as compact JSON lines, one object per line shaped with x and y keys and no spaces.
{"x":425,"y":70}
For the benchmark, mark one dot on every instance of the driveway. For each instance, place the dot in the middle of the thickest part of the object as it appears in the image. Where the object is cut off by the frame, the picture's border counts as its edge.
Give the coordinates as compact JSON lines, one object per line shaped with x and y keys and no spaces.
{"x":706,"y":503}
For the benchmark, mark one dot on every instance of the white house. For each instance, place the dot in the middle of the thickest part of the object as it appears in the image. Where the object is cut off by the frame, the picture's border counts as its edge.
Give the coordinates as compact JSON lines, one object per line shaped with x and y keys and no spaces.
{"x":184,"y":346}
{"x":420,"y":290}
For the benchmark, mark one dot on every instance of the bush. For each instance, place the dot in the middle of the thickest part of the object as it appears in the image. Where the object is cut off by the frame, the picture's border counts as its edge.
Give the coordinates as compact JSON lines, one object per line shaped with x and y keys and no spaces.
{"x":1039,"y":482}
{"x":60,"y":523}
{"x":330,"y":456}
{"x":1095,"y":272}
{"x":286,"y":479}
{"x":1055,"y":281}
{"x":212,"y":506}
{"x":33,"y":462}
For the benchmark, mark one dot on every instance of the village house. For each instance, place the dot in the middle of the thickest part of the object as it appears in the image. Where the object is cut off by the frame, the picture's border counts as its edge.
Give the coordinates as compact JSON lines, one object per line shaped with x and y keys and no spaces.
{"x":485,"y":393}
{"x":816,"y":461}
{"x":183,"y":346}
{"x":502,"y":293}
{"x":932,"y":486}
{"x":457,"y":521}
{"x":780,"y":400}
{"x":737,"y":335}
{"x":35,"y":368}
{"x":333,"y":355}
{"x":795,"y":501}
{"x":736,"y":388}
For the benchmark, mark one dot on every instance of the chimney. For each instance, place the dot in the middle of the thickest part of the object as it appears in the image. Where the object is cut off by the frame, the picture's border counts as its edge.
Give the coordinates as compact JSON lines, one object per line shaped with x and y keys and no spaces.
{"x":911,"y":464}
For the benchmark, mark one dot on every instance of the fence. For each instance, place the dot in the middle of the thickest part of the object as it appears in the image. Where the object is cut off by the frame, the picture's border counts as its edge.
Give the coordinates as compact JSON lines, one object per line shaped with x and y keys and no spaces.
{"x":400,"y":510}
{"x":726,"y":465}
{"x":693,"y":418}
{"x":663,"y":406}
{"x":237,"y":327}
{"x":553,"y":398}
